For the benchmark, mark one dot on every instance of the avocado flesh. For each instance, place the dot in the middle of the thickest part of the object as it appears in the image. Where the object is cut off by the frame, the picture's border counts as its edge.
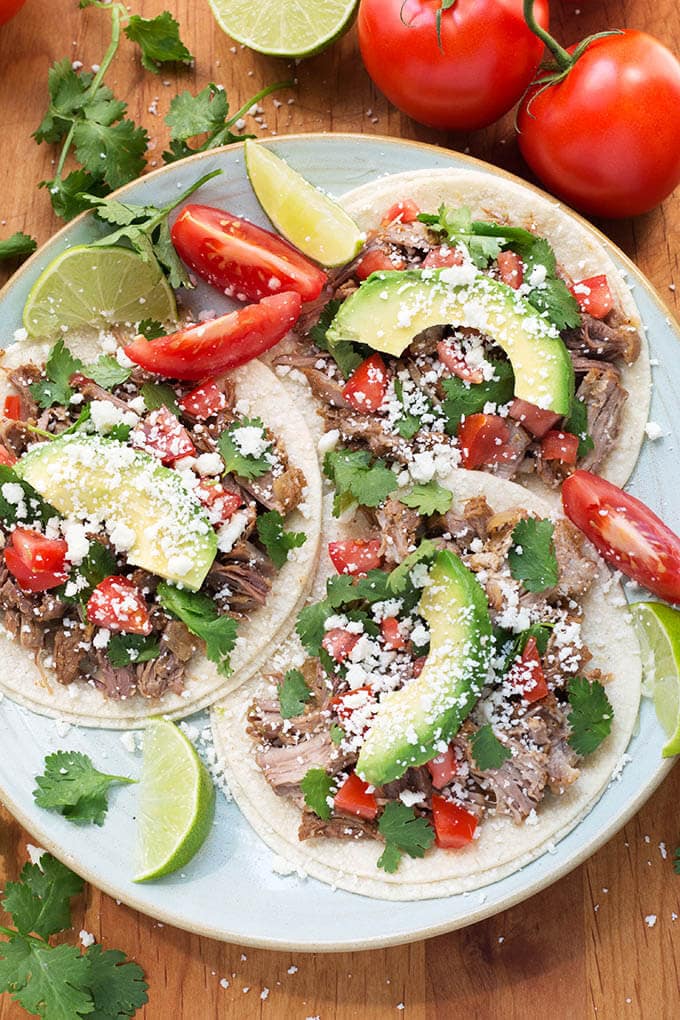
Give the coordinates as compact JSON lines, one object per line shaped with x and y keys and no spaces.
{"x":390,"y":309}
{"x":433,"y":706}
{"x":86,"y":477}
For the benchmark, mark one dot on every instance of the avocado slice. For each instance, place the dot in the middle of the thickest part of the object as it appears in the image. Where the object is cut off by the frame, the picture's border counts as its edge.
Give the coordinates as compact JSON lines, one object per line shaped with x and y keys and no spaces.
{"x":390,"y":309}
{"x":91,"y":477}
{"x":432,"y":707}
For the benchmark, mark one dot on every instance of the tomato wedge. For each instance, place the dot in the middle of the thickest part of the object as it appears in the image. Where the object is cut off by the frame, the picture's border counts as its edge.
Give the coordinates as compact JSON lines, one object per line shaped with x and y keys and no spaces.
{"x":119,"y":605}
{"x":377,"y":262}
{"x":526,"y":673}
{"x":163,"y":435}
{"x":6,"y":456}
{"x":392,"y":637}
{"x":511,"y":269}
{"x":203,"y":402}
{"x":241,"y":259}
{"x":404,"y":212}
{"x":12,"y":406}
{"x":353,"y":799}
{"x":450,"y":353}
{"x":441,"y":257}
{"x":443,"y":768}
{"x":454,"y":827}
{"x":212,"y":347}
{"x":339,"y":643}
{"x":484,"y":439}
{"x":594,"y":296}
{"x":355,"y":556}
{"x":557,"y":445}
{"x":366,"y":387}
{"x":38,"y":563}
{"x":534,"y":419}
{"x":625,"y":532}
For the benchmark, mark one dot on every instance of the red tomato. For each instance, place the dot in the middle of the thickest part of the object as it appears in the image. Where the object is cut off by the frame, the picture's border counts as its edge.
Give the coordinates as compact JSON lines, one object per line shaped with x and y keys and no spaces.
{"x":483,"y":439}
{"x":441,"y":257}
{"x":454,"y":827}
{"x":339,"y":643}
{"x":352,"y":798}
{"x":12,"y":406}
{"x":203,"y":402}
{"x":534,"y":419}
{"x":38,"y":563}
{"x":606,"y":138}
{"x":443,"y":768}
{"x":8,"y":8}
{"x":392,"y":637}
{"x":366,"y":387}
{"x":118,"y":604}
{"x":355,"y":556}
{"x":163,"y":435}
{"x":562,"y":446}
{"x":220,"y":503}
{"x":210,"y":348}
{"x":377,"y":262}
{"x":625,"y":532}
{"x":511,"y":269}
{"x":450,"y":353}
{"x":526,"y":673}
{"x":6,"y":456}
{"x":405,"y":212}
{"x":342,"y":704}
{"x":594,"y":296}
{"x":240,"y":259}
{"x":467,"y":82}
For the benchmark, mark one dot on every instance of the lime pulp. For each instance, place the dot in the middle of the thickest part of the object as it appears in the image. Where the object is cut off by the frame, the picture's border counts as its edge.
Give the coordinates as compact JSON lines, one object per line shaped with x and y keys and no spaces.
{"x":287,"y":28}
{"x":658,"y":630}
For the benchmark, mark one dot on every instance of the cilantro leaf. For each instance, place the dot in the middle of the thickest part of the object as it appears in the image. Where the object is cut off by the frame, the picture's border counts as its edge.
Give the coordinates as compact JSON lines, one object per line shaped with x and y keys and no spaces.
{"x":577,"y":424}
{"x":107,"y":372}
{"x":276,"y":541}
{"x":68,"y":195}
{"x":487,"y":750}
{"x":40,"y":901}
{"x":18,"y":246}
{"x":408,"y":424}
{"x":151,"y":329}
{"x":48,"y":981}
{"x":67,"y":91}
{"x":552,"y":297}
{"x":404,"y":833}
{"x":112,"y":152}
{"x":455,"y":226}
{"x":235,"y":461}
{"x":346,"y":355}
{"x":532,"y":556}
{"x":429,"y":498}
{"x":123,"y":649}
{"x":98,"y":563}
{"x":117,"y":984}
{"x":336,"y":733}
{"x":358,"y":479}
{"x":157,"y":395}
{"x":676,"y":860}
{"x":31,"y":508}
{"x":59,"y":368}
{"x":591,"y":714}
{"x":463,"y":399}
{"x":316,"y":786}
{"x":72,"y":786}
{"x":159,"y":41}
{"x":398,"y":579}
{"x":293,"y":694}
{"x":342,"y":590}
{"x":198,"y":612}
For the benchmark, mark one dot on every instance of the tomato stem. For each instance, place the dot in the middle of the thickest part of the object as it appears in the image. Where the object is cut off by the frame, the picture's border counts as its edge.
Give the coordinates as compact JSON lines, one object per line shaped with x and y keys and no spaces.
{"x":563,"y":59}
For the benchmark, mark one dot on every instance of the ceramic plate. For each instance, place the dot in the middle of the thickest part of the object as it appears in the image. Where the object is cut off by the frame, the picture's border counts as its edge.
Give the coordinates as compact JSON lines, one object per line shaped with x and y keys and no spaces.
{"x":232,"y":890}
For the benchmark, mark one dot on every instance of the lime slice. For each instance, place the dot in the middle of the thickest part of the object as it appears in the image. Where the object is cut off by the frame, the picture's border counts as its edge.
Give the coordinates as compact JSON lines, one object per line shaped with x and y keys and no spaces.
{"x":287,"y":28}
{"x":658,"y":630}
{"x":176,"y":801}
{"x":86,"y":288}
{"x":307,"y":217}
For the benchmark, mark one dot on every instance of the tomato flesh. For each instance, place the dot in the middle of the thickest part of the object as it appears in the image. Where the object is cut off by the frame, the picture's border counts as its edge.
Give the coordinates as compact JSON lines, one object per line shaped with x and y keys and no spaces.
{"x":450,"y":353}
{"x":454,"y":827}
{"x":377,"y":261}
{"x":483,"y":439}
{"x":220,"y":503}
{"x":625,"y":532}
{"x":391,"y":634}
{"x":511,"y":269}
{"x":355,"y":556}
{"x":345,"y":704}
{"x":241,"y":259}
{"x":12,"y":406}
{"x":562,"y":446}
{"x":594,"y":296}
{"x":441,"y":257}
{"x":38,"y":563}
{"x":339,"y":643}
{"x":203,"y":402}
{"x":366,"y":387}
{"x":534,"y":419}
{"x":526,"y":673}
{"x":443,"y":768}
{"x":402,"y":212}
{"x":212,"y":347}
{"x":118,"y":605}
{"x":6,"y":456}
{"x":163,"y":435}
{"x":353,"y":798}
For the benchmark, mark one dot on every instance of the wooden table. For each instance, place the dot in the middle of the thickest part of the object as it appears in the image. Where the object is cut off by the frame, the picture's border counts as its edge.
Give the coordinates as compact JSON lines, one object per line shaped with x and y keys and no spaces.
{"x":585,"y":947}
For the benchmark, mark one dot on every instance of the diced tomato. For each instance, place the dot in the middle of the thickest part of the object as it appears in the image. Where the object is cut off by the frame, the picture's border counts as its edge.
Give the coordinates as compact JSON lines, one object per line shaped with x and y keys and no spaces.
{"x":366,"y":387}
{"x":484,"y":439}
{"x":203,"y":402}
{"x":594,"y":296}
{"x":212,"y":347}
{"x":418,"y":665}
{"x":353,"y":799}
{"x":6,"y":456}
{"x":38,"y":563}
{"x":241,"y":259}
{"x":163,"y":435}
{"x":345,"y":704}
{"x":441,"y":257}
{"x":12,"y":406}
{"x":220,"y":503}
{"x":454,"y":827}
{"x":355,"y":556}
{"x":406,"y":212}
{"x":391,"y":633}
{"x":511,"y":269}
{"x":377,"y":261}
{"x":533,"y":418}
{"x":119,"y":605}
{"x":557,"y":445}
{"x":339,"y":643}
{"x":443,"y":768}
{"x":450,"y":353}
{"x":526,"y":673}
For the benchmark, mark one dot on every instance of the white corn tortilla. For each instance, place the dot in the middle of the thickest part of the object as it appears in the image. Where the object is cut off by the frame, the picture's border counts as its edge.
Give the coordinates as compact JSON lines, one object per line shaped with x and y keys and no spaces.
{"x":502,"y":847}
{"x":81,"y":702}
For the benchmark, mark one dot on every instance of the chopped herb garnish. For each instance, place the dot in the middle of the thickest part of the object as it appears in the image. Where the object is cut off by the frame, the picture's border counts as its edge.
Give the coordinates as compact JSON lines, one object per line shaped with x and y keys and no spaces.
{"x":408,"y":424}
{"x":429,"y":498}
{"x":72,"y":786}
{"x":463,"y":399}
{"x":18,"y":246}
{"x":237,"y":462}
{"x":198,"y":612}
{"x":358,"y":478}
{"x":157,"y":395}
{"x":98,"y":564}
{"x":456,"y":226}
{"x":577,"y":424}
{"x":591,"y":714}
{"x":17,"y":510}
{"x":151,"y":329}
{"x":316,"y":786}
{"x":346,"y":355}
{"x":293,"y":694}
{"x":532,"y":557}
{"x":404,"y":833}
{"x":487,"y":750}
{"x":337,"y":734}
{"x":276,"y":541}
{"x":123,"y":649}
{"x":59,"y":368}
{"x":552,"y":297}
{"x":83,"y":418}
{"x":107,"y":372}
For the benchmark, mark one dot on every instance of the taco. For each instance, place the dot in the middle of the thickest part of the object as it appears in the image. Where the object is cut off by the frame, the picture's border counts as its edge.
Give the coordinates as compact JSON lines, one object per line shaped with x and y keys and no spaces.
{"x":157,"y":536}
{"x":482,"y":326}
{"x":432,"y":729}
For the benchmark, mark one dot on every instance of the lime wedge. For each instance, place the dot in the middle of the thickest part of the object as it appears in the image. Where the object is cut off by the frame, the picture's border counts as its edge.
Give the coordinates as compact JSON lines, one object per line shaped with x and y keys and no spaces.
{"x":176,"y":801}
{"x":658,"y":630}
{"x":308,"y":218}
{"x":86,"y":288}
{"x":287,"y":28}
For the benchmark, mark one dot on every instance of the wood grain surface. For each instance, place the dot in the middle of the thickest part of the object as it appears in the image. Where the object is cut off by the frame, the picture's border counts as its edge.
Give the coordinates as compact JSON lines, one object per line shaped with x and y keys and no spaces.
{"x":603,"y":942}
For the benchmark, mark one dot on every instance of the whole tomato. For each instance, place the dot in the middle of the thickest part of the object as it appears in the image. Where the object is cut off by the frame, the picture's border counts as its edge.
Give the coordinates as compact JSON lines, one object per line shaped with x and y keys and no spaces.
{"x":606,"y":138}
{"x":486,"y":59}
{"x":8,"y":8}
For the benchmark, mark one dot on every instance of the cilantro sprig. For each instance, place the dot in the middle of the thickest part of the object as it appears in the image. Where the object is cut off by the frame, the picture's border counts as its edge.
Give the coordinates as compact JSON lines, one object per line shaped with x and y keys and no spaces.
{"x":487,"y":750}
{"x":18,"y":246}
{"x":358,"y":478}
{"x":463,"y":398}
{"x":159,"y":41}
{"x":428,"y":498}
{"x":72,"y":786}
{"x":60,"y":982}
{"x":199,"y":614}
{"x":236,"y":462}
{"x":293,"y":694}
{"x":59,"y":367}
{"x":29,"y":509}
{"x":532,"y":558}
{"x":404,"y":833}
{"x":577,"y":424}
{"x":591,"y":714}
{"x":316,"y":786}
{"x":275,"y":539}
{"x":346,"y":354}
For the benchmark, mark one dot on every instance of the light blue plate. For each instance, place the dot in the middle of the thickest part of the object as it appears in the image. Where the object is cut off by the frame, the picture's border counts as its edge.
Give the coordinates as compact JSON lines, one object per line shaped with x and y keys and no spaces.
{"x":230,"y":891}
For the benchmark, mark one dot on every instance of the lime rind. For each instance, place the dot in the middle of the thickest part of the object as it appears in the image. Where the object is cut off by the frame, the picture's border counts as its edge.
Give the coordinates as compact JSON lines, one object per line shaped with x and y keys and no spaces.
{"x":658,"y":630}
{"x":290,"y":28}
